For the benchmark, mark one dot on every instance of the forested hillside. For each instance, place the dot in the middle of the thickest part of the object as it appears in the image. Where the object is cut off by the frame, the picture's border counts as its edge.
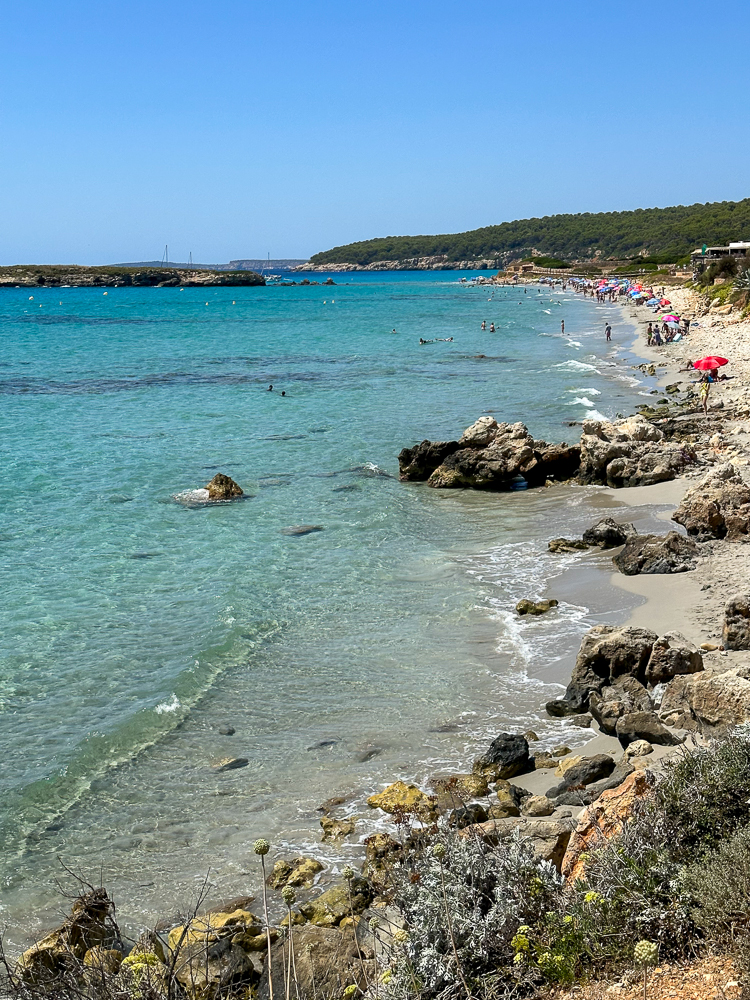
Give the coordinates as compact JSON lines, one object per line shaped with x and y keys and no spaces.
{"x":666,"y":233}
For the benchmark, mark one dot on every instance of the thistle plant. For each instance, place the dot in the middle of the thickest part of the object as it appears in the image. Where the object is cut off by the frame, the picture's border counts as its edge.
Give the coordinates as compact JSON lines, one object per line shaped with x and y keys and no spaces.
{"x":289,"y":896}
{"x":261,"y":848}
{"x":646,"y":953}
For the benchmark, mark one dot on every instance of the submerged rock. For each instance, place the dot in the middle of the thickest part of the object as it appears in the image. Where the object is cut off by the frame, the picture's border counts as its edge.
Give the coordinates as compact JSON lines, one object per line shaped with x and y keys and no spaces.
{"x":222,"y":487}
{"x":302,"y":529}
{"x":670,"y":553}
{"x":566,"y":545}
{"x":337,"y":829}
{"x":527,"y":607}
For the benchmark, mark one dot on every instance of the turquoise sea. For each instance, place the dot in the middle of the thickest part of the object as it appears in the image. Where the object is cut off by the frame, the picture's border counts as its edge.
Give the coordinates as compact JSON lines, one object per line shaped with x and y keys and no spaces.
{"x":134,"y":627}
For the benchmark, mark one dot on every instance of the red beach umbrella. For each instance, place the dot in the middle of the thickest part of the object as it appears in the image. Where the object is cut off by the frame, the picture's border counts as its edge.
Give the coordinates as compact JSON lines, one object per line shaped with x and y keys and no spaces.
{"x":706,"y":364}
{"x":664,"y":302}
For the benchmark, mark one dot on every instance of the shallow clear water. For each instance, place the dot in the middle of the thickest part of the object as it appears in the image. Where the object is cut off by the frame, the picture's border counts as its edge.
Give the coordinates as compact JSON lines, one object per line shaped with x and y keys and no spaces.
{"x":134,"y":626}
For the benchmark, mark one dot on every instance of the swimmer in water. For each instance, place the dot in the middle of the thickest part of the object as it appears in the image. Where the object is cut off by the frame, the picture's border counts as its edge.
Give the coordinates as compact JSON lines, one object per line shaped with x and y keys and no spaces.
{"x":562,"y":326}
{"x":492,"y":327}
{"x":270,"y":388}
{"x":484,"y":324}
{"x":283,"y":393}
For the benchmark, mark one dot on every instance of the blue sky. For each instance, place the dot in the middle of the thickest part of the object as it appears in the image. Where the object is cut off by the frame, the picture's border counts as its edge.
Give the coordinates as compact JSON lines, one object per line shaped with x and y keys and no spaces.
{"x":235,"y":129}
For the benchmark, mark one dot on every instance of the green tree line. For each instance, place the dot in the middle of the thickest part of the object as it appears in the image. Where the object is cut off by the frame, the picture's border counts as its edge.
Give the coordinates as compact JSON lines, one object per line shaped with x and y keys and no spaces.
{"x":665,"y":234}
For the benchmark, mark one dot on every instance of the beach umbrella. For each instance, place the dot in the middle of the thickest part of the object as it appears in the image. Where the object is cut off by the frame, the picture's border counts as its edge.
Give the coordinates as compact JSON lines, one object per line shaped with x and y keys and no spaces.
{"x":670,"y":318}
{"x":664,"y":302}
{"x":712,"y":361}
{"x":652,"y":302}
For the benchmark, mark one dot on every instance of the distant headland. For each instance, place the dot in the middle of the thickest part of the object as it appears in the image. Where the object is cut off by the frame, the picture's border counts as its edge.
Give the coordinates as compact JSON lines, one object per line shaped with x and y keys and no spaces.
{"x":158,"y":276}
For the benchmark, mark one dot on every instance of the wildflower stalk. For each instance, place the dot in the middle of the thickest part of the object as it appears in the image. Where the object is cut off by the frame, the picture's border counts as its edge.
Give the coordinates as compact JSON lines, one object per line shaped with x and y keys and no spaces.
{"x":261,"y":848}
{"x":439,"y":852}
{"x":289,"y":896}
{"x":348,"y":873}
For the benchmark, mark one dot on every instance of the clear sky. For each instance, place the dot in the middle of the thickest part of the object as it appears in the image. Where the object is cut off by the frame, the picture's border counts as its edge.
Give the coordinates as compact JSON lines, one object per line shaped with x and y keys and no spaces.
{"x":233,"y":129}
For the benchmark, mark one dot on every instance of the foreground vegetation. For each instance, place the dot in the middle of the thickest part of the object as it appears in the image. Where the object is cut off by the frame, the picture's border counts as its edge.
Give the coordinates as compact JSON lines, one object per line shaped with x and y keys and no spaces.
{"x":477,"y":919}
{"x":666,"y":235}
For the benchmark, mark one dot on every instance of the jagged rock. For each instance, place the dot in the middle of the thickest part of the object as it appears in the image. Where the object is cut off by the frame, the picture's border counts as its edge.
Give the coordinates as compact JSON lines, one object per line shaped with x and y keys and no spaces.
{"x":625,"y":695}
{"x":566,"y":545}
{"x":381,"y":853}
{"x":337,"y":829}
{"x":717,"y":507}
{"x":229,"y":764}
{"x":584,"y":772}
{"x":87,"y":927}
{"x":297,"y":872}
{"x":509,"y":800}
{"x":330,"y":908}
{"x":566,"y":764}
{"x":601,"y":821}
{"x":583,"y":720}
{"x":736,"y":629}
{"x":418,"y":463}
{"x":608,"y":533}
{"x":104,"y":960}
{"x":508,"y":754}
{"x":203,"y":969}
{"x":527,"y":607}
{"x":222,"y":487}
{"x":489,"y":456}
{"x":326,"y":960}
{"x":606,"y":652}
{"x":714,"y":699}
{"x":210,"y":927}
{"x":670,"y":553}
{"x":629,"y":452}
{"x":644,"y":726}
{"x":672,"y":654}
{"x":467,"y":815}
{"x":549,"y":837}
{"x":400,"y":797}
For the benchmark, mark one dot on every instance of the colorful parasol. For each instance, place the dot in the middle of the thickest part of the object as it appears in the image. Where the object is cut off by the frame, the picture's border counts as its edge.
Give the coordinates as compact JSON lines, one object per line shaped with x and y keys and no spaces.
{"x":712,"y":361}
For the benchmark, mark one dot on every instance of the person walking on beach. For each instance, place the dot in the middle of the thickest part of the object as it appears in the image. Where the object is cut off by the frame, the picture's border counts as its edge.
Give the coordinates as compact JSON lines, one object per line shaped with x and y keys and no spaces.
{"x":704,"y":390}
{"x":608,"y":331}
{"x":649,"y":334}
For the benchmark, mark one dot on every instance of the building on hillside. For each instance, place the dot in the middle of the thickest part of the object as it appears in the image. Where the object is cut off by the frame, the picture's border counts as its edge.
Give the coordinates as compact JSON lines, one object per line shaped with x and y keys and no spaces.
{"x":700,"y":259}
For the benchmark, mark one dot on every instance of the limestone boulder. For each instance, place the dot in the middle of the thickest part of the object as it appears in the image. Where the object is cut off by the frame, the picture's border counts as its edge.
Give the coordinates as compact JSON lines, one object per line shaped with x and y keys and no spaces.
{"x":566,"y":544}
{"x":549,"y":837}
{"x":606,"y":652}
{"x":337,"y":829}
{"x":222,"y":487}
{"x":382,"y":852}
{"x":506,"y":756}
{"x":206,"y":968}
{"x":330,"y":908}
{"x":670,"y":553}
{"x":717,"y":507}
{"x":299,"y":872}
{"x":608,"y":533}
{"x":475,"y":812}
{"x":625,"y":695}
{"x":527,"y":607}
{"x":401,"y":797}
{"x":713,"y":699}
{"x":587,"y":770}
{"x":455,"y":790}
{"x":736,"y":629}
{"x":538,"y":805}
{"x":601,"y":821}
{"x":672,"y":654}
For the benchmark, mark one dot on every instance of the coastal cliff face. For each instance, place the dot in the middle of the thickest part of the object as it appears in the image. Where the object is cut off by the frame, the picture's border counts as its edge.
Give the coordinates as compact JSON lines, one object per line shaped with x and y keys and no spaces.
{"x":116,"y":277}
{"x":441,"y":262}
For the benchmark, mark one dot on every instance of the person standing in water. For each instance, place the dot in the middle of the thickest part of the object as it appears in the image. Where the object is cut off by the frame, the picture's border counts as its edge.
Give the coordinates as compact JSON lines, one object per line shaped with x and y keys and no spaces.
{"x":484,"y":324}
{"x":492,"y":327}
{"x":562,"y":326}
{"x":608,"y":332}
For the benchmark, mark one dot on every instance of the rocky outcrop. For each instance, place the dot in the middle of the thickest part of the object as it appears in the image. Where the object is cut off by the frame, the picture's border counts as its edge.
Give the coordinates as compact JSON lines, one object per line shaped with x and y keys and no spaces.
{"x":489,"y":456}
{"x":736,"y":629}
{"x":717,"y":507}
{"x":629,"y":452}
{"x":338,"y":902}
{"x":608,"y":533}
{"x":670,"y":553}
{"x":566,"y":545}
{"x":418,"y":463}
{"x":297,"y":872}
{"x":222,"y":487}
{"x":75,"y":276}
{"x":606,"y":652}
{"x":601,"y":821}
{"x":506,"y":756}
